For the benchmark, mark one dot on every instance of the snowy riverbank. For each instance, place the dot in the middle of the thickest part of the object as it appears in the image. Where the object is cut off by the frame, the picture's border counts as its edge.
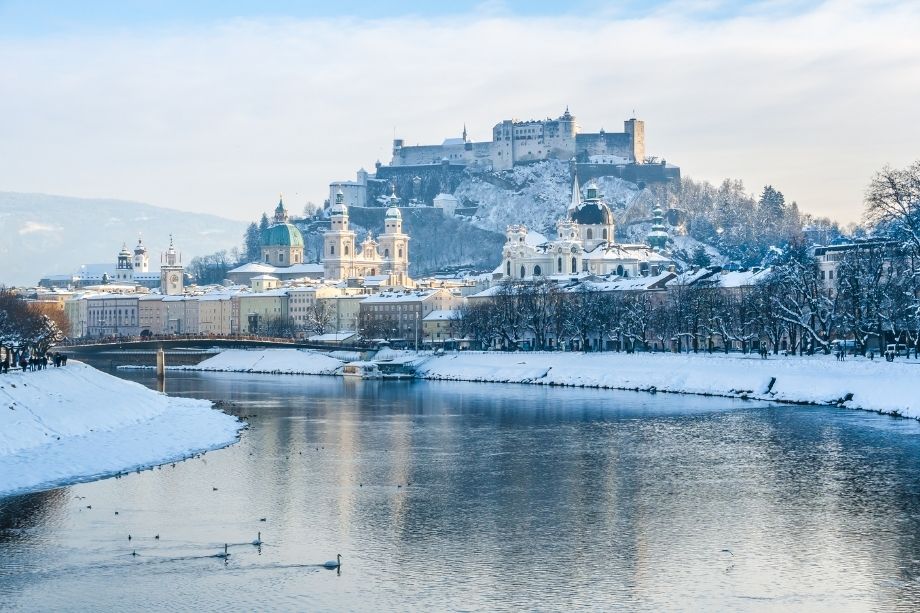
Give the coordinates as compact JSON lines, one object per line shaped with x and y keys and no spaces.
{"x":855,"y":383}
{"x":75,"y":423}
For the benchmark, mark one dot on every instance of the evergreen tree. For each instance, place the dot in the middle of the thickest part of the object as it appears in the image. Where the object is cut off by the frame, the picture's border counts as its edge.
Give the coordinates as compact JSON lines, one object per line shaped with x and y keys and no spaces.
{"x":252,"y":240}
{"x":263,"y":223}
{"x":699,"y":257}
{"x":772,"y":204}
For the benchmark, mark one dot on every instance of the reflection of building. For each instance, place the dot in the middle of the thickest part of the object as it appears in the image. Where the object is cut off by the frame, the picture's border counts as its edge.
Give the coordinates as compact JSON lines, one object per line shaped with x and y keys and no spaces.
{"x":584,"y":244}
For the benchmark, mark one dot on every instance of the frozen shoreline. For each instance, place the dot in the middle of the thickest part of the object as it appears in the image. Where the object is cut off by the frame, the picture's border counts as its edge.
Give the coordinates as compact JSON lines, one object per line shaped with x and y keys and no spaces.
{"x":72,"y":424}
{"x":856,"y":383}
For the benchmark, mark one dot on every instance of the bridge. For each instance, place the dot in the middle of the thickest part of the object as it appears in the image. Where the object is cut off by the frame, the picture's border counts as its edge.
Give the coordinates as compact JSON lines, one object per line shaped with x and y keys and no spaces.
{"x":191,"y":348}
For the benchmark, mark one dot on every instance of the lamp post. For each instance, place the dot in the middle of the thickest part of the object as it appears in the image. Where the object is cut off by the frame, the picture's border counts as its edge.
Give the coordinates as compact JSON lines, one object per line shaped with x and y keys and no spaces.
{"x":416,"y":331}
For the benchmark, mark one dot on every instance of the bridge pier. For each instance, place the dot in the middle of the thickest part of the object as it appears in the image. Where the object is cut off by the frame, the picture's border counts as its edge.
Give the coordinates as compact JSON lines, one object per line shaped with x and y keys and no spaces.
{"x":161,"y":365}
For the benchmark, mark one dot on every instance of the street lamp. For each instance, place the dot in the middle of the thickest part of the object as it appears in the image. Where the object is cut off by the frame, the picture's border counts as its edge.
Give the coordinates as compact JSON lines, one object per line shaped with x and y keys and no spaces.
{"x":416,"y":331}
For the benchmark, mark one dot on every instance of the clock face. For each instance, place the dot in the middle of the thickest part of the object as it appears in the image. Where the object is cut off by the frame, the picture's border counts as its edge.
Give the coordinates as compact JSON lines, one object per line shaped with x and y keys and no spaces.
{"x":174,"y":278}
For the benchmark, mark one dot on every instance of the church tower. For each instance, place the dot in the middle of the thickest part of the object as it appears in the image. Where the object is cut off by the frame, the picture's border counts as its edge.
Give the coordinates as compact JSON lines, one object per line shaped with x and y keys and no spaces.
{"x":172,"y":281}
{"x":124,"y":269}
{"x":394,"y":246}
{"x":141,"y":259}
{"x":339,"y":248}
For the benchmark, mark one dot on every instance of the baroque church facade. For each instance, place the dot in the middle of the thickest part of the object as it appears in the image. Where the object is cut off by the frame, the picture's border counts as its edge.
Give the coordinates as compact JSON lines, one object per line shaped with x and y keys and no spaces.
{"x":344,"y":258}
{"x":584,"y":244}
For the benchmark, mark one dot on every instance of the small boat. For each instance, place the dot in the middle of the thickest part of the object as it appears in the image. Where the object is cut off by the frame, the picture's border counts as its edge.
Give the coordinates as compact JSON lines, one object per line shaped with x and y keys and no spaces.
{"x":361,"y":370}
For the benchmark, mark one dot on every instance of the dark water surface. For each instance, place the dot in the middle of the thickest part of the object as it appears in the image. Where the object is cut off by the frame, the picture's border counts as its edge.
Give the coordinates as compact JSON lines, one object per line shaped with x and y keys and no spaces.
{"x":512,"y":498}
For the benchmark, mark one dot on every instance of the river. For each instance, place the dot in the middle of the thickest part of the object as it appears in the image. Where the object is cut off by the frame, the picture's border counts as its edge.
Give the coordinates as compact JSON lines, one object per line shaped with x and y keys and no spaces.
{"x":464,"y":496}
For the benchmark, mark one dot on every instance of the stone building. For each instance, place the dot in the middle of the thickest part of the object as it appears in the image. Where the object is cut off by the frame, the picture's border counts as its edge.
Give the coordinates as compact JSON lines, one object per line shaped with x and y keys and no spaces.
{"x":514,"y":142}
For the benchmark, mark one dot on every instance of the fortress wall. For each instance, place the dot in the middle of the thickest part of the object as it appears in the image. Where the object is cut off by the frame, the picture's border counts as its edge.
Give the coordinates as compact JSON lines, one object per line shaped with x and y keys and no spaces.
{"x":607,"y":143}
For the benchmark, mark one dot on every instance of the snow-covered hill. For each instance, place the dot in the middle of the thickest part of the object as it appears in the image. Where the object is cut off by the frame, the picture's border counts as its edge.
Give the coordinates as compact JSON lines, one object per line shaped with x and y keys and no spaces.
{"x":45,"y":234}
{"x":537,"y":195}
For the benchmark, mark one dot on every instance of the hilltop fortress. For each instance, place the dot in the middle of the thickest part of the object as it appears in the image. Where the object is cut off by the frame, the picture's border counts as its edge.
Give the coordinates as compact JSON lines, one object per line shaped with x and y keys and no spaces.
{"x":416,"y":174}
{"x":515,"y":142}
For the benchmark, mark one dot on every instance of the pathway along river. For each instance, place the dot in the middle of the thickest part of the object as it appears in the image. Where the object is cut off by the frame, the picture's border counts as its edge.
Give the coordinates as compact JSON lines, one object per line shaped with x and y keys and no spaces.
{"x":462,"y":496}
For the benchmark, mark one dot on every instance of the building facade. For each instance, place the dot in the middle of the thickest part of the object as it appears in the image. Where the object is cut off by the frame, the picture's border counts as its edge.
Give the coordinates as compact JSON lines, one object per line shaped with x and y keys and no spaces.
{"x":515,"y":142}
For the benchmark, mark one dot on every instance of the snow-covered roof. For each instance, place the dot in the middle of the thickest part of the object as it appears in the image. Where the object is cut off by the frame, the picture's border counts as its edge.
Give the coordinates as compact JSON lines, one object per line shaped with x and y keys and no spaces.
{"x":391,"y":297}
{"x":332,"y":336}
{"x":265,"y":278}
{"x":442,"y":315}
{"x":254,"y":267}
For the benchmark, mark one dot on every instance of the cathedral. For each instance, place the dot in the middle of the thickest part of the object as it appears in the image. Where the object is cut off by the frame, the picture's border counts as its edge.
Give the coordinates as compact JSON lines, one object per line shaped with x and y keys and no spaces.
{"x":343,"y":257}
{"x":584,"y":245}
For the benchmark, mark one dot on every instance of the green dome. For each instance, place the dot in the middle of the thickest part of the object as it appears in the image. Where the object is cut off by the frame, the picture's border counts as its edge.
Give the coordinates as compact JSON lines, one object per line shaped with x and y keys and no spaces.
{"x":282,"y":235}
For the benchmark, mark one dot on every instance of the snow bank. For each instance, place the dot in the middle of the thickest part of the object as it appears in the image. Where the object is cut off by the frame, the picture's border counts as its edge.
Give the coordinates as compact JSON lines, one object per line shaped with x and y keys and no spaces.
{"x":274,"y":361}
{"x":75,"y":423}
{"x":856,"y":383}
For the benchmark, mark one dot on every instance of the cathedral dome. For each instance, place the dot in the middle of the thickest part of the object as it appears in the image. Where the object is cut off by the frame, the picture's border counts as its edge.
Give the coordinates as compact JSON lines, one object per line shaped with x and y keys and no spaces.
{"x":282,"y":235}
{"x":592,"y":213}
{"x":393,"y":213}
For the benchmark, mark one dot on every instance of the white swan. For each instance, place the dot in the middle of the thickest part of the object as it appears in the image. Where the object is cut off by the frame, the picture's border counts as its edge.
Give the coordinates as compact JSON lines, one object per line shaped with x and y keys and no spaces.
{"x":331,"y":564}
{"x":258,"y":540}
{"x":225,"y":554}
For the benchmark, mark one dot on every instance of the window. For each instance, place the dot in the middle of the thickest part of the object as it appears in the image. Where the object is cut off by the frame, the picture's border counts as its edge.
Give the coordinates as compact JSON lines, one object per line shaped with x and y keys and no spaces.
{"x":559,"y":265}
{"x":620,"y":270}
{"x":386,"y":253}
{"x":266,"y":257}
{"x":331,"y":249}
{"x":537,"y":271}
{"x":605,"y":234}
{"x":830,"y":275}
{"x":280,"y":256}
{"x":574,"y":265}
{"x":588,"y":234}
{"x":400,"y":252}
{"x":346,"y":249}
{"x":522,"y":271}
{"x":508,"y":268}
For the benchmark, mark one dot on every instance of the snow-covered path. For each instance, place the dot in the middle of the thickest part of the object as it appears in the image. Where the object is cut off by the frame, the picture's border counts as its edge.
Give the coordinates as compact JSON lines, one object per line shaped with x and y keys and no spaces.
{"x":75,"y":423}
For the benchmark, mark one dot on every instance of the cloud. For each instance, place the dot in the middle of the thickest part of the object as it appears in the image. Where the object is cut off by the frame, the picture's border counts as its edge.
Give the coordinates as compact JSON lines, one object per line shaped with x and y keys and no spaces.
{"x":221,"y":118}
{"x":31,"y":227}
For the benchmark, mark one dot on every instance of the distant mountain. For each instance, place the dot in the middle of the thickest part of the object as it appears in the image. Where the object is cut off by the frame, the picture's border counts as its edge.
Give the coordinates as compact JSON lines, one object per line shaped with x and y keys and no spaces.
{"x":42,"y":234}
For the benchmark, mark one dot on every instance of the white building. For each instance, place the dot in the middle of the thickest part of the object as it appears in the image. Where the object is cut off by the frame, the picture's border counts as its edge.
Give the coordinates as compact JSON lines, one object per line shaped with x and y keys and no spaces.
{"x":584,"y":245}
{"x":343,"y":258}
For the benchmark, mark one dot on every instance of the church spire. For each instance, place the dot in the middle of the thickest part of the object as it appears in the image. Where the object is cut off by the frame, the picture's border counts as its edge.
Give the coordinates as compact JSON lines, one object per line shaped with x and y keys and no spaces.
{"x":576,"y":194}
{"x":464,"y":133}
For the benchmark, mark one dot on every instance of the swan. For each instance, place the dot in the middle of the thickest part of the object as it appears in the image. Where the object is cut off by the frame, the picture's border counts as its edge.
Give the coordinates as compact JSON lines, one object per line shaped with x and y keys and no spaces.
{"x":331,"y":564}
{"x":225,"y":554}
{"x":258,"y":541}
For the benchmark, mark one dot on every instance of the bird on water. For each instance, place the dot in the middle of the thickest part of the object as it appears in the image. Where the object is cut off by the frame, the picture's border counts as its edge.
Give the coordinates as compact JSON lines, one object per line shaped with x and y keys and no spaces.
{"x":333,"y":564}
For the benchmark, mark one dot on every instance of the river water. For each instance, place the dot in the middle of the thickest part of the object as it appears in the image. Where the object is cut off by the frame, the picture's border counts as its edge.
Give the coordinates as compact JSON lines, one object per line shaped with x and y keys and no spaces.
{"x":457,"y":496}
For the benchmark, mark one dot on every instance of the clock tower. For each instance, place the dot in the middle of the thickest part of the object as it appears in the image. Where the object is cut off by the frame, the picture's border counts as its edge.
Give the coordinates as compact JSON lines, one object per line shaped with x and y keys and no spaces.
{"x":172,"y":275}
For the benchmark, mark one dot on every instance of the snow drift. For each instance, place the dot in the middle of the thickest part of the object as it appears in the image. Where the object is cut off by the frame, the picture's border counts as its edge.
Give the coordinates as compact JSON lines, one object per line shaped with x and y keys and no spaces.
{"x":75,"y":423}
{"x":272,"y":361}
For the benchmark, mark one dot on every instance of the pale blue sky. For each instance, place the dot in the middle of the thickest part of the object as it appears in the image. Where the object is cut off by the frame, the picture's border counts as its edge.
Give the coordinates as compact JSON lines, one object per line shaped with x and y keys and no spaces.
{"x":219,"y":107}
{"x":43,"y":17}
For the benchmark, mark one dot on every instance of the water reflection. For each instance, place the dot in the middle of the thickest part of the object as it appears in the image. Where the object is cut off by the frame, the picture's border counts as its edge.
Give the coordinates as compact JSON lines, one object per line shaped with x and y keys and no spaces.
{"x":465,"y":496}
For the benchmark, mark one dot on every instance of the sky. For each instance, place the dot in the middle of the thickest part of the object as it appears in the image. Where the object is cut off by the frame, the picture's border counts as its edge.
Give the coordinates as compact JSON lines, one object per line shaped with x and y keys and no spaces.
{"x":217,"y":107}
